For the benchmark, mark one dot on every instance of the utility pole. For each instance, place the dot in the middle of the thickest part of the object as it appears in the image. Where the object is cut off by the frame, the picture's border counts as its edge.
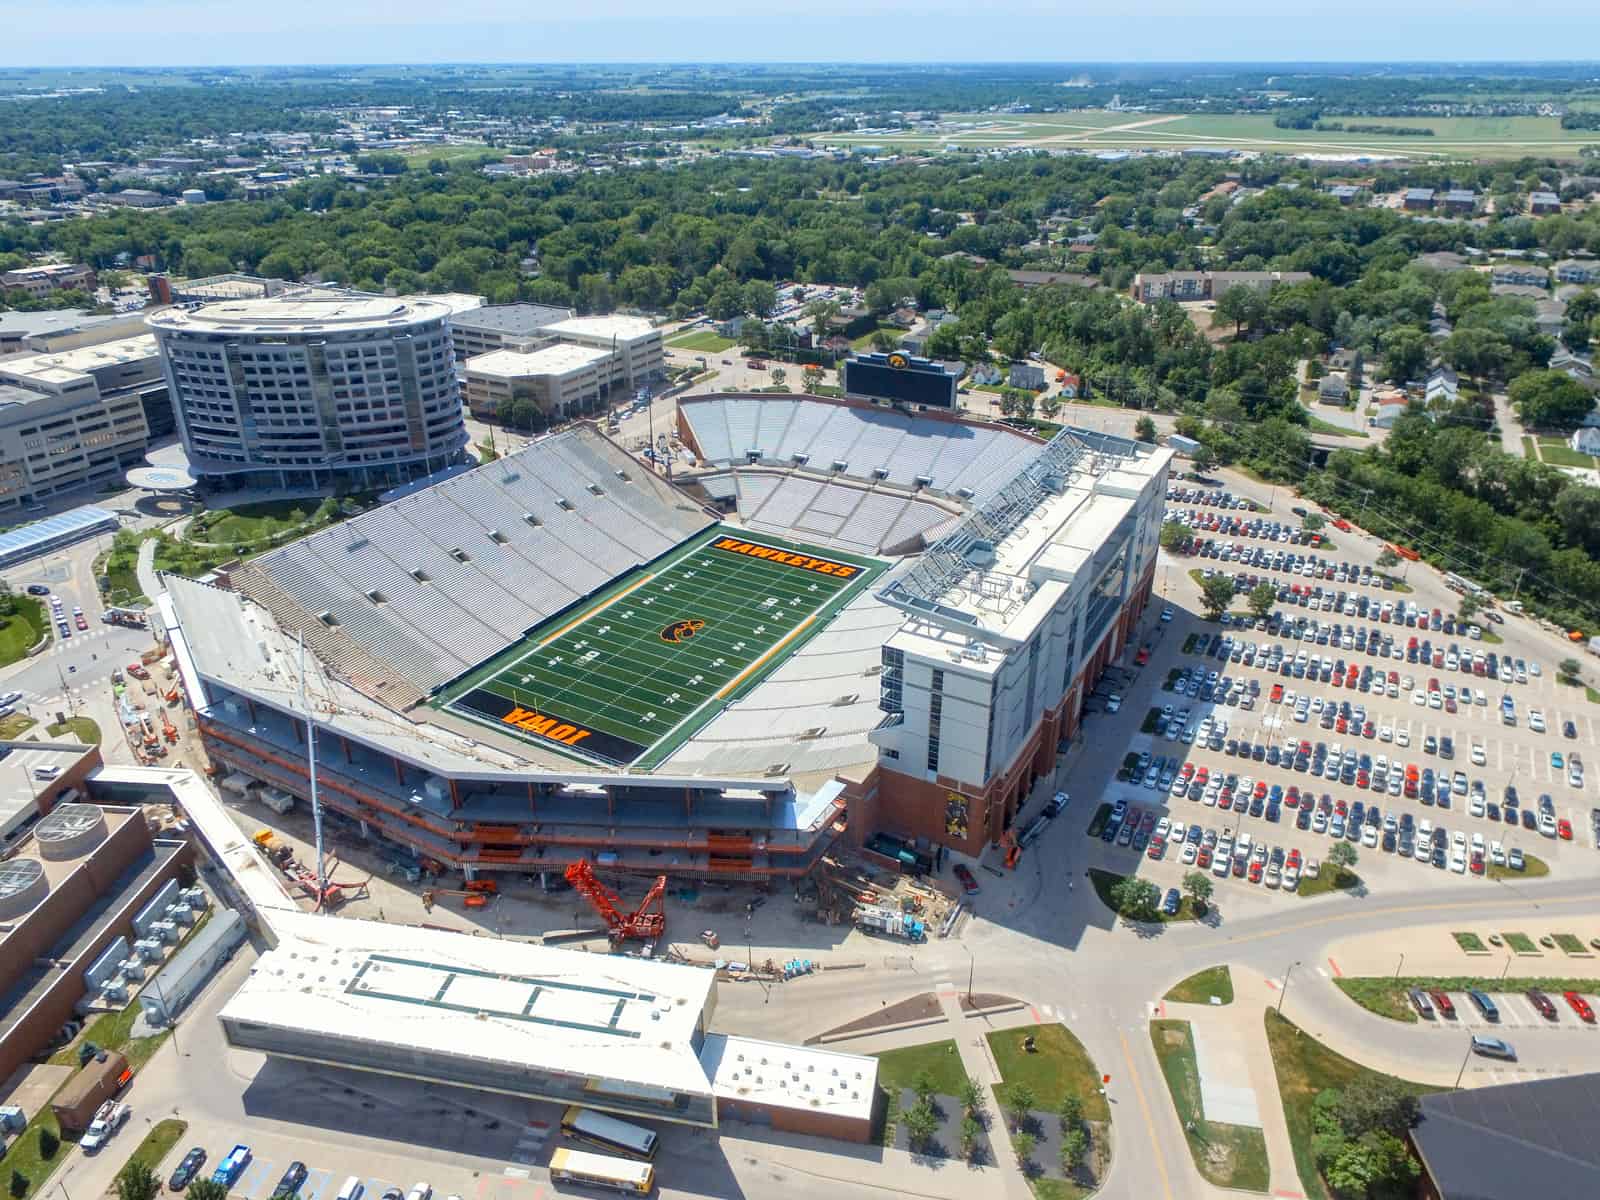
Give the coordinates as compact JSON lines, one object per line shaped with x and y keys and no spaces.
{"x":972,"y":966}
{"x":1464,"y":1059}
{"x":1287,"y":972}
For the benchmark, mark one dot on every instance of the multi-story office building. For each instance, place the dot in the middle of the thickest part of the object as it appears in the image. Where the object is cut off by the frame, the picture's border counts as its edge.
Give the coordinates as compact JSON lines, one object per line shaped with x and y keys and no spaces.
{"x":313,"y":389}
{"x":634,"y":339}
{"x":76,"y":417}
{"x":502,"y":327}
{"x":558,"y":380}
{"x":52,"y":277}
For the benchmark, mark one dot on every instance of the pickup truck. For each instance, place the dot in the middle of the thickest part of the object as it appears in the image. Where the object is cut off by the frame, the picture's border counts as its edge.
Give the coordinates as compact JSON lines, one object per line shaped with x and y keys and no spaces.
{"x":231,"y":1167}
{"x":108,"y":1118}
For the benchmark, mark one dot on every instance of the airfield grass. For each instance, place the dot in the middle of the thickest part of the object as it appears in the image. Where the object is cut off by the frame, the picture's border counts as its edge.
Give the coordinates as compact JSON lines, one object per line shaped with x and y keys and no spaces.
{"x":624,"y":668}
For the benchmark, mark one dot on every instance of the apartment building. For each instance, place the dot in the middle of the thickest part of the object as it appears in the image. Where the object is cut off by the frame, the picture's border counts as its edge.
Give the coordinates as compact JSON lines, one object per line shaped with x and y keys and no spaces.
{"x":40,"y":281}
{"x":1206,"y":285}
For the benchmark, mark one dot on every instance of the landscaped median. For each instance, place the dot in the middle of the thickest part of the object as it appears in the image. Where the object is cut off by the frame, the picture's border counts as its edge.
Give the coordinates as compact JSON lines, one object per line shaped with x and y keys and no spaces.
{"x":1138,"y":899}
{"x":1230,"y":1156}
{"x":1345,"y":1120}
{"x":1387,"y":996}
{"x":1214,"y":983}
{"x":1056,"y":1116}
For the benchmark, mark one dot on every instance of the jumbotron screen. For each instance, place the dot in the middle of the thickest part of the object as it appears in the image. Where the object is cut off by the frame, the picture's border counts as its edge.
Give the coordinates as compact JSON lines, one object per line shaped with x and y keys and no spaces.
{"x":900,"y":377}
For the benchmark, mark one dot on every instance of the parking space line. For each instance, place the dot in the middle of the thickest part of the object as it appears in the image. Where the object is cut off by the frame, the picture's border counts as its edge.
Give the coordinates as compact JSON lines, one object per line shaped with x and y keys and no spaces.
{"x":258,"y":1172}
{"x":317,"y":1182}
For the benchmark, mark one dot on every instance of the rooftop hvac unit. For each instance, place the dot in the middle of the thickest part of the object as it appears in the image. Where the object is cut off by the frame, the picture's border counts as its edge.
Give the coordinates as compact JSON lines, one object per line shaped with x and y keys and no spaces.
{"x":167,"y":931}
{"x":180,"y":914}
{"x":132,"y":968}
{"x":114,"y":991}
{"x":149,"y":949}
{"x":195,"y":897}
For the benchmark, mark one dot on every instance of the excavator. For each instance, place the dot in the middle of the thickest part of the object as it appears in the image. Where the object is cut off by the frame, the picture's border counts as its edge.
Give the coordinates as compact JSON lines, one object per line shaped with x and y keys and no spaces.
{"x":645,"y":923}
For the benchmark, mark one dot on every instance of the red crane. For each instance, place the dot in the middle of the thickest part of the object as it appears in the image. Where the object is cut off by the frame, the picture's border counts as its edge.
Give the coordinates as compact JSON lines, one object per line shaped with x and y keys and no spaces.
{"x":641,"y":924}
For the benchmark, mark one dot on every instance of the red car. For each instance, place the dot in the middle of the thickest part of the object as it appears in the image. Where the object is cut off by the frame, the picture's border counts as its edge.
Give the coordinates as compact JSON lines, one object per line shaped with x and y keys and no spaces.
{"x":1442,"y":1002}
{"x":1477,"y":862}
{"x":1255,"y":872}
{"x":1579,"y":1006}
{"x":1540,"y":1001}
{"x":1564,"y":829}
{"x":80,"y":621}
{"x":1277,"y":693}
{"x":968,"y":880}
{"x":1142,"y":657}
{"x":1203,"y":859}
{"x":1158,"y":847}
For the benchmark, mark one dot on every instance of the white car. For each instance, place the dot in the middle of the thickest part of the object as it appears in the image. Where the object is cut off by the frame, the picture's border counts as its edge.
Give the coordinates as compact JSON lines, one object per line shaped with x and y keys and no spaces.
{"x":1476,"y":807}
{"x":1385,"y":733}
{"x":1402,"y":737}
{"x":1420,"y":699}
{"x":1163,"y":827}
{"x":420,"y":1191}
{"x":1189,"y":854}
{"x":1497,"y":854}
{"x":1458,"y":862}
{"x":1535,"y":720}
{"x":1479,"y":755}
{"x":1113,"y":703}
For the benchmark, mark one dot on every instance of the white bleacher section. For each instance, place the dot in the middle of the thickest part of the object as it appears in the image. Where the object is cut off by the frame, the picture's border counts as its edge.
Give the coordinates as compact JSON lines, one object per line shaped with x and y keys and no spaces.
{"x":955,"y":455}
{"x":488,"y":573}
{"x":844,"y":514}
{"x":813,"y":713}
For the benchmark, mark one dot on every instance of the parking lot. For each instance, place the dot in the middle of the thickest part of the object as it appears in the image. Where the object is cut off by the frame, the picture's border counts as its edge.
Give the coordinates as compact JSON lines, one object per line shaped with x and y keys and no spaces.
{"x":1354,"y":711}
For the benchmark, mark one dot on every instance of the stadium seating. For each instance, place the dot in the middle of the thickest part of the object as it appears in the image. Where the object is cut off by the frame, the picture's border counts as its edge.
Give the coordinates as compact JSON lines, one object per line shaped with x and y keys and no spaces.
{"x":460,"y":571}
{"x":953,"y":455}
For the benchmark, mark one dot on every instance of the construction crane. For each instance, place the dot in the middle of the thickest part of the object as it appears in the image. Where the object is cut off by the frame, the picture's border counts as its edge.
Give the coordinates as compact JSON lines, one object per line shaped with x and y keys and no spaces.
{"x":642,"y":924}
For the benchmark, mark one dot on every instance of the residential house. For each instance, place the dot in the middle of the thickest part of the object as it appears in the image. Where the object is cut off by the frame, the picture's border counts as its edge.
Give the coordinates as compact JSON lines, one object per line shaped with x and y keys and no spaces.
{"x":1439,"y":326}
{"x":1521,"y":274}
{"x":1071,"y":386}
{"x":1585,"y":440}
{"x":984,"y":373}
{"x":1442,"y":386}
{"x":1082,"y":243}
{"x":1543,"y":203}
{"x":1387,"y":415}
{"x":1417,"y":199}
{"x":1576,"y":365}
{"x":1550,"y":316}
{"x":1578,"y":270}
{"x":1442,"y":260}
{"x":1333,"y":389}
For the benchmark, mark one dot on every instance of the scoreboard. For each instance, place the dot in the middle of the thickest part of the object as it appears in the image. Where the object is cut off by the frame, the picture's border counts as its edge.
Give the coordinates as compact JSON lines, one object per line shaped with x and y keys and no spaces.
{"x":901,"y":378}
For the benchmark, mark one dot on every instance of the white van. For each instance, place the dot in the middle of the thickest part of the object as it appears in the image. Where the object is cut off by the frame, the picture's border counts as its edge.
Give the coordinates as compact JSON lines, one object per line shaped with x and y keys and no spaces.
{"x":351,"y":1189}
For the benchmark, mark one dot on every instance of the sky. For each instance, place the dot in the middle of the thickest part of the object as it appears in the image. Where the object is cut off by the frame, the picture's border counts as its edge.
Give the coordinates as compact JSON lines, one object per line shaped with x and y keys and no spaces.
{"x":228,"y":32}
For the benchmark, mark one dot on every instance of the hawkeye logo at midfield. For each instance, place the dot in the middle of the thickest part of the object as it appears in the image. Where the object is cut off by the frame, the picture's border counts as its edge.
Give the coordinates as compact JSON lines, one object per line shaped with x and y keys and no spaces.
{"x":682,"y":631}
{"x":788,"y":558}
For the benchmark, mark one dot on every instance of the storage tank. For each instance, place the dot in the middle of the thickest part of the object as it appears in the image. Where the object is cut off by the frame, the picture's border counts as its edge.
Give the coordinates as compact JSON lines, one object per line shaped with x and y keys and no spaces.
{"x":104,"y":967}
{"x":70,"y":831}
{"x":156,"y":909}
{"x":23,"y":887}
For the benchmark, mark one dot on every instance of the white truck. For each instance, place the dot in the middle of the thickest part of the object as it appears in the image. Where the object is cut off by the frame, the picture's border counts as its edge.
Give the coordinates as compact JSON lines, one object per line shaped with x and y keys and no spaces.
{"x":874,"y":918}
{"x":108,"y":1118}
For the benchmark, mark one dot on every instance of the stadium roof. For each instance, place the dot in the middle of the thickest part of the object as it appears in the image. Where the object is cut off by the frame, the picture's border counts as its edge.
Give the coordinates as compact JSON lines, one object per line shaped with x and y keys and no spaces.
{"x":434,"y":994}
{"x":38,"y":536}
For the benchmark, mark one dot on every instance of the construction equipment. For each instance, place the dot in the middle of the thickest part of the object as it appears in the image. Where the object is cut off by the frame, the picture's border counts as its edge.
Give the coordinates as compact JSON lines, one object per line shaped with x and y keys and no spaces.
{"x":487,"y":886}
{"x":168,"y":729}
{"x":1013,"y":849}
{"x":710,"y":938}
{"x":642,"y":924}
{"x":138,"y":671}
{"x":471,"y":899}
{"x":872,"y":918}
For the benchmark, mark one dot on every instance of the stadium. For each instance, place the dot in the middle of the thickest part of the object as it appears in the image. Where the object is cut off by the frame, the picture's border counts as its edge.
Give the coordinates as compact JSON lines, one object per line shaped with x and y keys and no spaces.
{"x":838,"y":619}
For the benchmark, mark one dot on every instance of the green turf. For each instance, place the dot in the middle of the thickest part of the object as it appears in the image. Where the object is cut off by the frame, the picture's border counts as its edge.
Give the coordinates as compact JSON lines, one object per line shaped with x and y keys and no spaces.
{"x":705,"y":341}
{"x":611,"y":674}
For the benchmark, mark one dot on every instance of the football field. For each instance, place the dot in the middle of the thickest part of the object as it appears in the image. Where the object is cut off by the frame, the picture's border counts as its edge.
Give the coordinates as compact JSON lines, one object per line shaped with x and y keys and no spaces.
{"x":629,"y":676}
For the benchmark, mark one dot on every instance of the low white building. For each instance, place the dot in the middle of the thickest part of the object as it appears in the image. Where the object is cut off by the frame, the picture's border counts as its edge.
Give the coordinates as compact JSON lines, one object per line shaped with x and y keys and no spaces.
{"x":560,"y":380}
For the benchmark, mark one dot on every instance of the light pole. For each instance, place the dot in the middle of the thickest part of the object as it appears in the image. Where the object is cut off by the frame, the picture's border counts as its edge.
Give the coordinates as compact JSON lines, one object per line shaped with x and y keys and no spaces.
{"x":1287,"y":972}
{"x":1464,"y":1059}
{"x":1398,"y":965}
{"x":972,"y":964}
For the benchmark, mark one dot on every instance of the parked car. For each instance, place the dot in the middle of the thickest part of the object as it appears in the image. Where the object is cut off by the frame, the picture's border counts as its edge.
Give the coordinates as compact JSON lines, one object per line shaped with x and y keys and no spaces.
{"x":1420,"y":1002}
{"x":1484,"y":1005}
{"x":1493,"y":1047}
{"x":1541,"y":1003}
{"x":290,"y":1183}
{"x":969,"y":881}
{"x":183,"y":1174}
{"x":1580,"y":1006}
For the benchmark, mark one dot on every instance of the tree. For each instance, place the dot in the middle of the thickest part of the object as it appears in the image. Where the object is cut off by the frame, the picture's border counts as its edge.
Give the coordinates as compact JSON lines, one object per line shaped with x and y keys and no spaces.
{"x":1137,"y":899}
{"x":49,"y":1142}
{"x":1172,"y":534}
{"x":921,"y":1124}
{"x":1024,"y":1143}
{"x":1405,"y":353}
{"x":1343,"y":854}
{"x":1074,"y":1149}
{"x":1468,"y":606}
{"x":971,"y":1095}
{"x":1198,"y":887}
{"x":1388,"y":558}
{"x":924,"y":1087}
{"x":19,"y":1183}
{"x":778,"y":376}
{"x":1376,"y":1106}
{"x":1204,"y":459}
{"x":1261,"y":598}
{"x":1569,"y":668}
{"x":1312,"y":522}
{"x":1216,"y":594}
{"x":1049,"y":406}
{"x":1020,"y":1101}
{"x":1375,"y":1164}
{"x":208,"y":1189}
{"x":137,"y":1181}
{"x":1549,"y":399}
{"x":969,"y":1135}
{"x":811,"y":377}
{"x":1070,"y":1112}
{"x":1145,"y":429}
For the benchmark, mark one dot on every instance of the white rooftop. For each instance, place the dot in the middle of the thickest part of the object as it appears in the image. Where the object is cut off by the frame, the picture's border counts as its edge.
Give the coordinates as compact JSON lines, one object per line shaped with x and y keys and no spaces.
{"x":63,"y":366}
{"x":433,"y":993}
{"x":300,"y":311}
{"x":561,"y":360}
{"x":624,"y":329}
{"x":797,"y":1077}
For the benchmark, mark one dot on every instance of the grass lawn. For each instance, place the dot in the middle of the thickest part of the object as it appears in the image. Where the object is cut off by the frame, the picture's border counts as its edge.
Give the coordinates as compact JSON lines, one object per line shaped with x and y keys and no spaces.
{"x":899,"y":1069}
{"x":1104,"y":881}
{"x":110,"y":1031}
{"x":1520,"y":943}
{"x":158,"y":1143}
{"x":22,"y":629}
{"x":24,"y":1158}
{"x":1557,"y":453}
{"x":248,"y":522}
{"x":1306,"y":1067}
{"x":1530,"y":448}
{"x":1470,"y":942}
{"x":81,"y":729}
{"x":702,"y":341}
{"x":864,"y":342}
{"x":15,"y":726}
{"x":118,"y":566}
{"x":1058,"y":1065}
{"x":1387,"y":997}
{"x":1329,"y":879}
{"x":1532,"y":868}
{"x":1230,"y":1156}
{"x":1202,"y":985}
{"x":1318,"y":425}
{"x":1570,"y":943}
